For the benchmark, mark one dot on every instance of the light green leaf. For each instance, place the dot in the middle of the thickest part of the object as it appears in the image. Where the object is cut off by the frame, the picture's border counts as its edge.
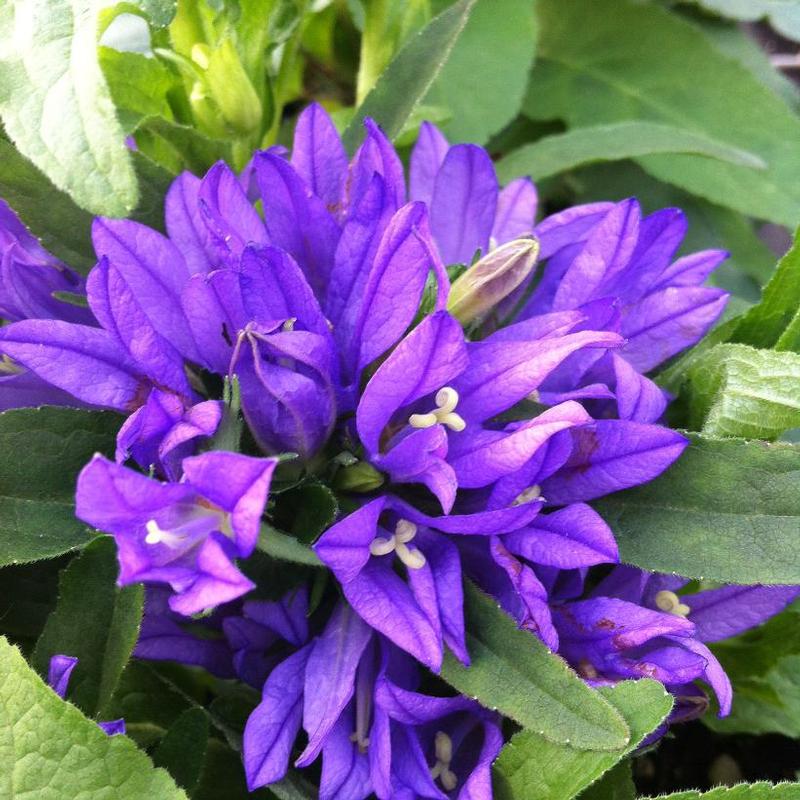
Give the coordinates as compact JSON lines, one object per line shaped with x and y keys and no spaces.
{"x":286,"y":548}
{"x":783,"y":15}
{"x":409,"y":76}
{"x":514,"y":672}
{"x":727,"y":510}
{"x":484,"y":80}
{"x":41,"y":452}
{"x":50,"y":751}
{"x":736,"y":390}
{"x":532,"y":766}
{"x":55,"y":104}
{"x":775,"y":321}
{"x":159,"y":12}
{"x":138,"y":84}
{"x":604,"y":61}
{"x":743,"y":791}
{"x":101,"y":633}
{"x":564,"y":151}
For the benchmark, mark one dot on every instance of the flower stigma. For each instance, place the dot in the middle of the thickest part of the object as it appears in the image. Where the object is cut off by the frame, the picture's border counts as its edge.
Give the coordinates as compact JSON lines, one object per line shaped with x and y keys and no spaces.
{"x":671,"y":603}
{"x":444,"y":414}
{"x":404,"y":532}
{"x":444,"y":755}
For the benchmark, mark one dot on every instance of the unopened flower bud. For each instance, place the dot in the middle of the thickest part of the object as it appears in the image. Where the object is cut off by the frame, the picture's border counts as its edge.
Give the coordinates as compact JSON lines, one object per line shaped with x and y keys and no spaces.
{"x":475,"y":293}
{"x":360,"y":477}
{"x":225,"y":84}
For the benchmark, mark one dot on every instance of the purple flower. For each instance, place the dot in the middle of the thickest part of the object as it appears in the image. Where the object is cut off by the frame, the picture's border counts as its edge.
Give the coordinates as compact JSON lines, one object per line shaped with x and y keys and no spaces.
{"x":184,"y":534}
{"x":58,"y":674}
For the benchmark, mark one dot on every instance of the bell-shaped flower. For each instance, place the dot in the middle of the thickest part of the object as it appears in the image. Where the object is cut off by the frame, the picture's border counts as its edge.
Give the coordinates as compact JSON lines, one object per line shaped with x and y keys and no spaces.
{"x":184,"y":534}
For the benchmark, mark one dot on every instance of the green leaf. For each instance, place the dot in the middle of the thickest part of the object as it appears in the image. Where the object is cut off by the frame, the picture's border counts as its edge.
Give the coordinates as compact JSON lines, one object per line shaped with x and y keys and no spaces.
{"x":742,"y":791}
{"x":532,"y":766}
{"x":159,"y":12}
{"x":775,"y":321}
{"x":564,"y":151}
{"x":765,"y":705}
{"x":286,"y":548}
{"x":56,"y":106}
{"x":512,"y":671}
{"x":763,"y":665}
{"x":48,"y":749}
{"x":409,"y":76}
{"x":616,"y":784}
{"x":783,"y":15}
{"x":309,"y":509}
{"x":96,"y":622}
{"x":41,"y":452}
{"x":604,"y":61}
{"x":63,"y":227}
{"x":182,"y":751}
{"x":727,"y":510}
{"x":27,"y":597}
{"x":490,"y":61}
{"x":139,"y":85}
{"x":736,"y":390}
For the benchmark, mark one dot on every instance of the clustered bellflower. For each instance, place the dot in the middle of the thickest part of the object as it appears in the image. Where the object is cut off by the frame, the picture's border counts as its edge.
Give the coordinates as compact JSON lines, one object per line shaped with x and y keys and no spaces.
{"x":465,"y":379}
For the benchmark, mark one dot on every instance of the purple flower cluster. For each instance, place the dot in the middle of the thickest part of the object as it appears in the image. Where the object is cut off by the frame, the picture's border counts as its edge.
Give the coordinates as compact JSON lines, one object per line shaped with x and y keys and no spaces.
{"x":465,"y":427}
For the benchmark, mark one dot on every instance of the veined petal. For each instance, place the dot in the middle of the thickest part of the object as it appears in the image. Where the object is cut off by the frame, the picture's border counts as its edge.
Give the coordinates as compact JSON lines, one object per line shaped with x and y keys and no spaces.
{"x":516,"y":211}
{"x":731,"y":610}
{"x":430,"y":357}
{"x":481,"y":457}
{"x":296,"y":219}
{"x":229,"y":215}
{"x":569,"y":227}
{"x":575,"y":536}
{"x":501,"y":373}
{"x":330,"y":676}
{"x":319,"y":156}
{"x":273,"y":287}
{"x":605,"y":255}
{"x":155,"y":271}
{"x":273,"y":726}
{"x":185,"y":225}
{"x":668,"y":321}
{"x":84,"y":361}
{"x":690,"y":270}
{"x":427,"y":156}
{"x":376,"y":156}
{"x":344,"y":547}
{"x":464,"y":203}
{"x":236,"y":483}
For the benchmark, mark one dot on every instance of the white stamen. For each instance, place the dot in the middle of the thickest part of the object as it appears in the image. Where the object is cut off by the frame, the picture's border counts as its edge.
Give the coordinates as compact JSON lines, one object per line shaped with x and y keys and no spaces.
{"x":526,"y":495}
{"x":404,"y":532}
{"x":671,"y":603}
{"x":444,"y":755}
{"x":444,"y":414}
{"x":289,"y":324}
{"x":157,"y":535}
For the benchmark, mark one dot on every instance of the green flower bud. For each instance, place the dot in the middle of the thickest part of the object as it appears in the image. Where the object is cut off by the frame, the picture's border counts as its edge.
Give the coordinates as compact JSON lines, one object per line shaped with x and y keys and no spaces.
{"x":224,"y":91}
{"x":360,"y":477}
{"x":478,"y":290}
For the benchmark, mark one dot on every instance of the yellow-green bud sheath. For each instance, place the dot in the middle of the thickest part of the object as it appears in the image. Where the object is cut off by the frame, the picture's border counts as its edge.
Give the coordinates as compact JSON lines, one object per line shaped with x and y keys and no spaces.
{"x":224,"y":85}
{"x":478,"y":290}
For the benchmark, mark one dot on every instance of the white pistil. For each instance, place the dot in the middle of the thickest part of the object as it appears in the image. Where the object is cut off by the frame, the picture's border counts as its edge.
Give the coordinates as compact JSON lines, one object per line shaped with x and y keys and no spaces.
{"x":361,"y":741}
{"x":404,"y":532}
{"x":527,"y":495}
{"x":444,"y":755}
{"x":671,"y":603}
{"x":446,"y":401}
{"x":157,"y":535}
